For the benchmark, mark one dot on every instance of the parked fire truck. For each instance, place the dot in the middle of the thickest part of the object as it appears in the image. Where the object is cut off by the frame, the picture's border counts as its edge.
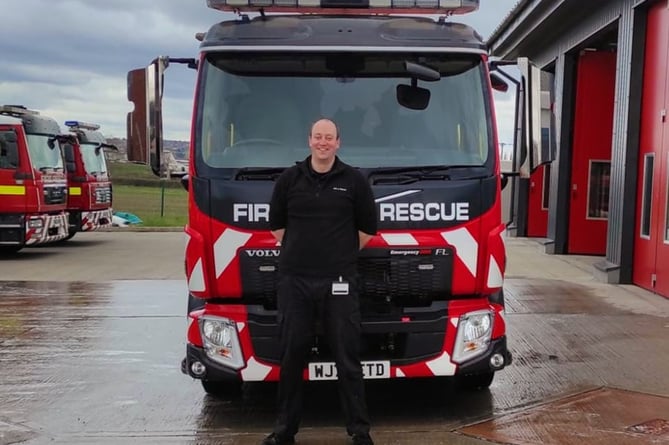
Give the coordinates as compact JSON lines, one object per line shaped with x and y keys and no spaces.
{"x":89,"y":202}
{"x":412,"y":96}
{"x":33,"y":192}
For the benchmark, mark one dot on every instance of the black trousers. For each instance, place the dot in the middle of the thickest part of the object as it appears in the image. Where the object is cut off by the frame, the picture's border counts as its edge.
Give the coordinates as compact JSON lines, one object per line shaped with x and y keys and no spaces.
{"x":301,"y":302}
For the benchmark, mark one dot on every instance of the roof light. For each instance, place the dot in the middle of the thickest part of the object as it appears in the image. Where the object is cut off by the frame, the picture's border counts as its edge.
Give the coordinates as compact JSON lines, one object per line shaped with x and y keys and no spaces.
{"x":78,"y":125}
{"x":16,"y":110}
{"x":350,"y":6}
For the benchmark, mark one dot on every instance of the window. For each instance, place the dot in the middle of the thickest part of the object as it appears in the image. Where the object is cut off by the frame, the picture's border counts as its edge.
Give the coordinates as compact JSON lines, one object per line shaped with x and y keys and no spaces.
{"x":598,"y":189}
{"x":547,"y":186}
{"x":648,"y":162}
{"x":258,"y":113}
{"x":9,"y":152}
{"x":70,"y":164}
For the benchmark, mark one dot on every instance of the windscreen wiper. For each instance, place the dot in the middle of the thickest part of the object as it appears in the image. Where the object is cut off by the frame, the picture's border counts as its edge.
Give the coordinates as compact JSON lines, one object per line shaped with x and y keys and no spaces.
{"x":258,"y":173}
{"x":407,"y":175}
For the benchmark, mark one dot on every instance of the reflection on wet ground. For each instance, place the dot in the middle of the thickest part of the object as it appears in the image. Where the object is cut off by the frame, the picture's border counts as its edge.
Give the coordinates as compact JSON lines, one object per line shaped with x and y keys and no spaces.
{"x":99,"y":363}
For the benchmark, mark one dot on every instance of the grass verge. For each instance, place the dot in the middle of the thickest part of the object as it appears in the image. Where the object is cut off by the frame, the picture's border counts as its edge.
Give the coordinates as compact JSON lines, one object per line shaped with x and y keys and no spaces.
{"x":154,"y":206}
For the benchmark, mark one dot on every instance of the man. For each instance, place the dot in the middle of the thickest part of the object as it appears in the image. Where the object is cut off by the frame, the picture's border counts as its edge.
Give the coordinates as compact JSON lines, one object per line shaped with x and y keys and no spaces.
{"x":322,"y":212}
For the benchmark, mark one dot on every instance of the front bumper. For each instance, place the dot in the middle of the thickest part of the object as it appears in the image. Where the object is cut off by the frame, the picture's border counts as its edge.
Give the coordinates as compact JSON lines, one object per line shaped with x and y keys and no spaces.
{"x":45,"y":228}
{"x":480,"y":365}
{"x":95,"y":219}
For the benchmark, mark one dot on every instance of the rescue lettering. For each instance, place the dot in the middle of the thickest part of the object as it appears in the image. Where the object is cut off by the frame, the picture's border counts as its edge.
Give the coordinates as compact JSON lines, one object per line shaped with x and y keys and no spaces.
{"x":250,"y":212}
{"x":418,"y":211}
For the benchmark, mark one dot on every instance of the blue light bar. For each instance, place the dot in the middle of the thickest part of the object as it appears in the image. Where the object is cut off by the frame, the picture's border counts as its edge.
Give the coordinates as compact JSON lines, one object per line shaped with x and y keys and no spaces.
{"x":74,"y":125}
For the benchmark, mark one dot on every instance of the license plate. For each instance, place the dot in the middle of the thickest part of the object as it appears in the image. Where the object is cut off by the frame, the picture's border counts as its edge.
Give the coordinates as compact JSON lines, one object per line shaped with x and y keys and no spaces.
{"x":370,"y":370}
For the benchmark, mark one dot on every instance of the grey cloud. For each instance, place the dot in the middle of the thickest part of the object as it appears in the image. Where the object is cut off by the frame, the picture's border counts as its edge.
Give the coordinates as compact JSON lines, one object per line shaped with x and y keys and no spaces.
{"x":60,"y":55}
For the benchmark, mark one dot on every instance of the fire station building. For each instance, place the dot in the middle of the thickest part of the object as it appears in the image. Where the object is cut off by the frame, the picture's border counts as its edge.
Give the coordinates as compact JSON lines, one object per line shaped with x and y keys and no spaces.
{"x":605,"y":65}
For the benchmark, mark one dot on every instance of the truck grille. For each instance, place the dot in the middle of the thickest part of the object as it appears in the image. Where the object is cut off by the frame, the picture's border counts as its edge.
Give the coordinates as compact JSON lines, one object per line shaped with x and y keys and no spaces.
{"x":12,"y":230}
{"x":259,"y":276}
{"x":404,"y":277}
{"x":103,"y":195}
{"x":388,"y":277}
{"x":55,"y":194}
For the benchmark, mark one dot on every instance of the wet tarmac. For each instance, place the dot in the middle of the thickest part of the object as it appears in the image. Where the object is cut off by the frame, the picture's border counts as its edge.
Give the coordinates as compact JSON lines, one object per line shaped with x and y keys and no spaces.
{"x":95,"y":360}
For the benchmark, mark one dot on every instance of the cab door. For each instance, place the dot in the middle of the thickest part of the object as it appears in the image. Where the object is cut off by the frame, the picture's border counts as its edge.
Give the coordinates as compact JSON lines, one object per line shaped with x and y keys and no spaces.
{"x":651,"y":237}
{"x":591,"y":152}
{"x":12,"y":192}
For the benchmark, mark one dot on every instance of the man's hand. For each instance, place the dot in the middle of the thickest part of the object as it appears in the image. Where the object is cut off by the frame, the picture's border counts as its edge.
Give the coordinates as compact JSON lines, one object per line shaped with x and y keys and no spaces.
{"x":364,"y":238}
{"x":278,"y":234}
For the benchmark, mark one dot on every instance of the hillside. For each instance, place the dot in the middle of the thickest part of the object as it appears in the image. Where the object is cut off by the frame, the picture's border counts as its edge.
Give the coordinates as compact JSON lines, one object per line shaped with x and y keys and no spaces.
{"x":178,"y":148}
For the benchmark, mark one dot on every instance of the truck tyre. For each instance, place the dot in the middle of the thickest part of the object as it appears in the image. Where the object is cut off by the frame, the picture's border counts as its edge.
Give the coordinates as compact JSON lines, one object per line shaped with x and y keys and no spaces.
{"x":224,"y":389}
{"x":476,"y":382}
{"x":9,"y":250}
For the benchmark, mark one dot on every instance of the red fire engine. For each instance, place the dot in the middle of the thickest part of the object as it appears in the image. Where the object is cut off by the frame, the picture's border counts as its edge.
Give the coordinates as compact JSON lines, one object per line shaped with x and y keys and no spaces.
{"x":412,"y":97}
{"x":89,"y":202}
{"x":33,"y":192}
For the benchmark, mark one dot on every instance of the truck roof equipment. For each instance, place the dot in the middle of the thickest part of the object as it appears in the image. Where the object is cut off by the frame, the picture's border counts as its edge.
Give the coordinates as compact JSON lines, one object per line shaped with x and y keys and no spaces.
{"x":16,"y":110}
{"x":78,"y":125}
{"x":444,"y":7}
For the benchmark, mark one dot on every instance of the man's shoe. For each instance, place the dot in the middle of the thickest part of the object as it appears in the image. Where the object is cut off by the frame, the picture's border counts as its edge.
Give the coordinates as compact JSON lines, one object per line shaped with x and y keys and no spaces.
{"x":362,"y":439}
{"x":275,"y":439}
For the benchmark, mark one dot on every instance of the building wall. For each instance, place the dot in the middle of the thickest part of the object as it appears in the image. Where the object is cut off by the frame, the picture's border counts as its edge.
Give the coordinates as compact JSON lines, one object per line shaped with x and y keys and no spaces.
{"x":551,"y":33}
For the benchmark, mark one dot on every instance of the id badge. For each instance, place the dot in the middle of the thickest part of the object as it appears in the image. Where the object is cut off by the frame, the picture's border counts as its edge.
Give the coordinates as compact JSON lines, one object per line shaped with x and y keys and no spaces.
{"x":340,"y":287}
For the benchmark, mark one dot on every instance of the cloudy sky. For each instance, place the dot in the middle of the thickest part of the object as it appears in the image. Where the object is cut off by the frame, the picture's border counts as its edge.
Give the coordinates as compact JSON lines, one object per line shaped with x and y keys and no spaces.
{"x":69,"y":58}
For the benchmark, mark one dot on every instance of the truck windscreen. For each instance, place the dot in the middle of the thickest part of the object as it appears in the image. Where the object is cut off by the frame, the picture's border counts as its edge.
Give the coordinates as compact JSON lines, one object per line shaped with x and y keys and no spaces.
{"x":94,"y":159}
{"x":44,"y":152}
{"x":257,"y":111}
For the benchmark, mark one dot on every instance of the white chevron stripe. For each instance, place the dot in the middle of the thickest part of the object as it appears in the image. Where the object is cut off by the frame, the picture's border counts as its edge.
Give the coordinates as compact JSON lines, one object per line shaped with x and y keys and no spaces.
{"x":225,"y":248}
{"x":255,"y":371}
{"x":442,"y":365}
{"x":399,"y":373}
{"x":396,"y":195}
{"x":495,"y":278}
{"x":399,"y":239}
{"x":466,"y":247}
{"x":196,"y":279}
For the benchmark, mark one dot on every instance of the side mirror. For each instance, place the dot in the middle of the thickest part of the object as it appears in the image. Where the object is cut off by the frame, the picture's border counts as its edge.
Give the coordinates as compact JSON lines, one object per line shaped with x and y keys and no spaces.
{"x":531,"y":80}
{"x":104,"y":145}
{"x":498,"y":84}
{"x":145,"y":122}
{"x":184,"y":182}
{"x":413,"y":97}
{"x":528,"y":150}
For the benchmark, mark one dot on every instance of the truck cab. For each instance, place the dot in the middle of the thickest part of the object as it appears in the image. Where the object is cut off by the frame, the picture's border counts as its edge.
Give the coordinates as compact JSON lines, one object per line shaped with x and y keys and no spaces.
{"x":33,"y":191}
{"x":89,"y":202}
{"x":412,"y":97}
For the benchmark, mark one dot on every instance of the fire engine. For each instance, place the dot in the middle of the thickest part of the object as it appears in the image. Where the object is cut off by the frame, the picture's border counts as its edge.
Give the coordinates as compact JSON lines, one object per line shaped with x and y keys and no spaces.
{"x":33,"y":192}
{"x":413,"y":99}
{"x":89,"y":202}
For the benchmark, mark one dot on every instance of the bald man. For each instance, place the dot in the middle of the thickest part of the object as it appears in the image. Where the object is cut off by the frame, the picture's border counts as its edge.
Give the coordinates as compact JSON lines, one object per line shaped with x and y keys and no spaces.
{"x":322,"y":212}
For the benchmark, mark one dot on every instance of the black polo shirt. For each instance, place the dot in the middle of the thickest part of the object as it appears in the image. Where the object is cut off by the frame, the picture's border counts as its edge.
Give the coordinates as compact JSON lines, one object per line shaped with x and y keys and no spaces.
{"x":321,"y":215}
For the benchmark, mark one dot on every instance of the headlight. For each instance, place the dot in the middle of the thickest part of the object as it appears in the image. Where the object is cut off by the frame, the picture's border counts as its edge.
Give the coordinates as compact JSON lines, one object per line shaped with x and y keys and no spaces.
{"x":221,"y":342}
{"x":474,"y":334}
{"x":35,"y":223}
